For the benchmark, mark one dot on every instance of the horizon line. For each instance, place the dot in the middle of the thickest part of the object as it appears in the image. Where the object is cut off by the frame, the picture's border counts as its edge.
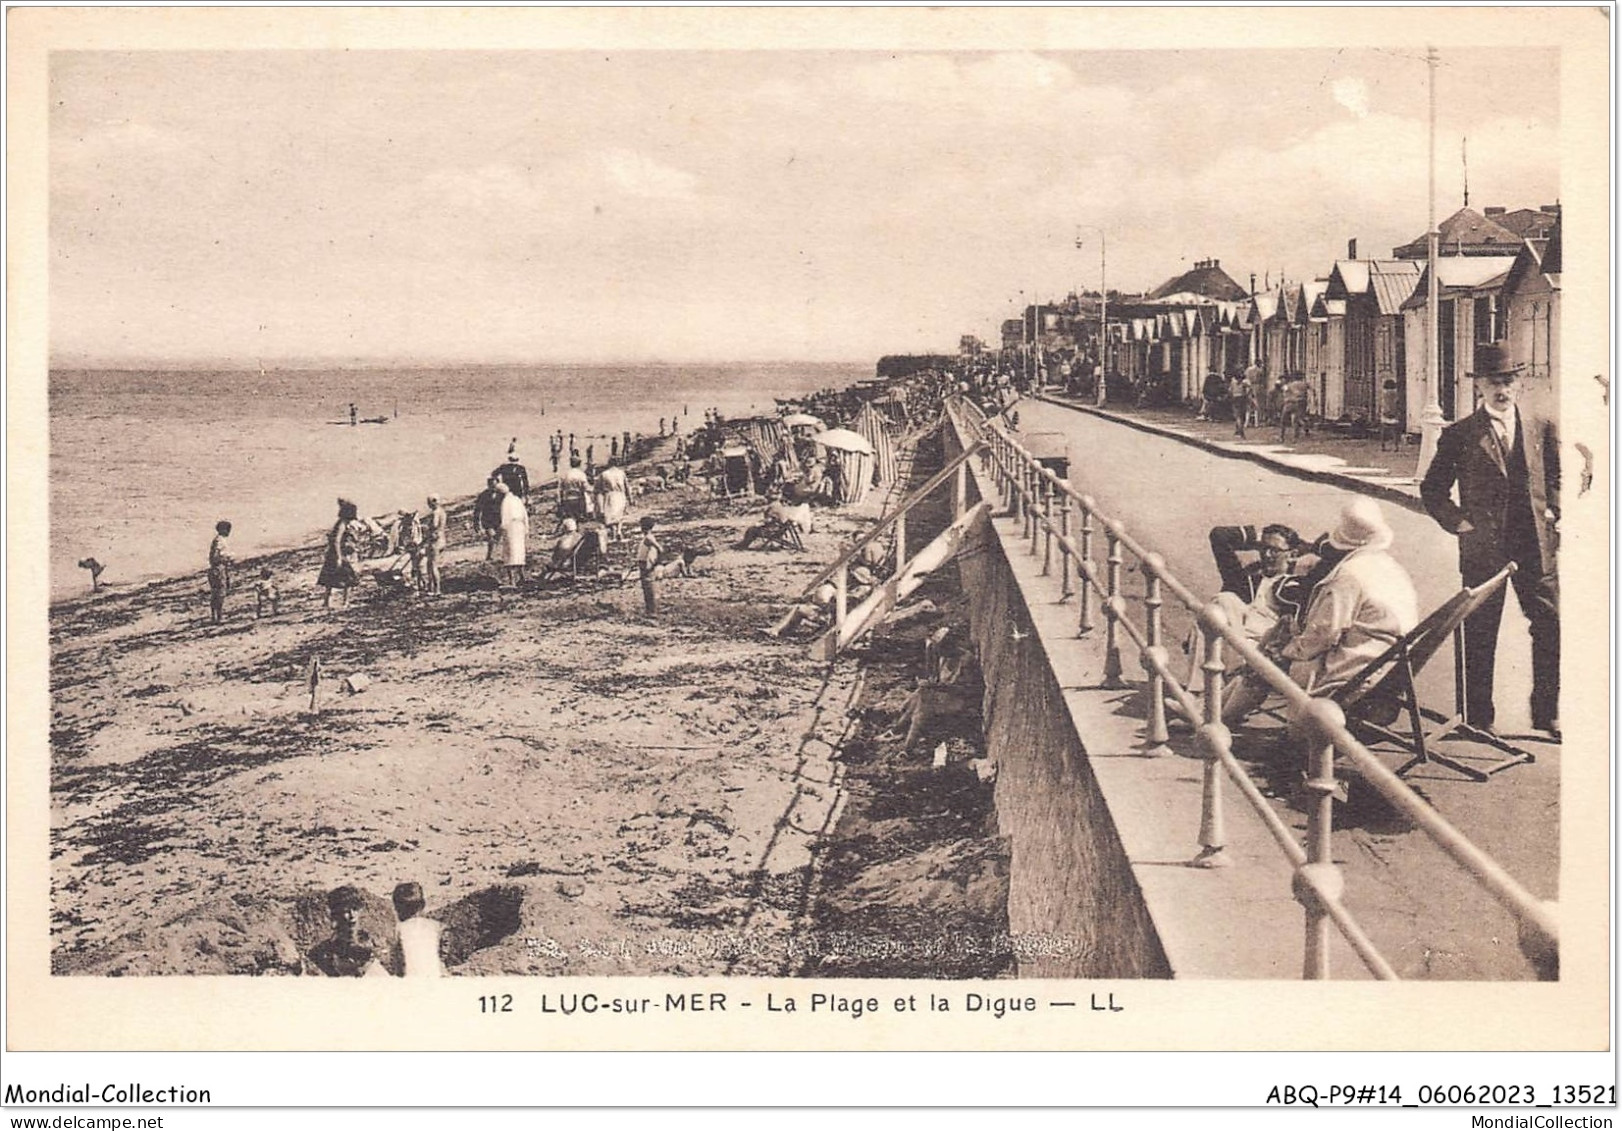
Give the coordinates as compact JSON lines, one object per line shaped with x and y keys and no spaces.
{"x":300,"y":363}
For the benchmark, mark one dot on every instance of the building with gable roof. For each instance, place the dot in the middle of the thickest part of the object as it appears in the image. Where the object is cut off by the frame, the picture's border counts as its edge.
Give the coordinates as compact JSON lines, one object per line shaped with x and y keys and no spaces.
{"x":1466,"y":232}
{"x":1469,"y":314}
{"x":1374,"y":331}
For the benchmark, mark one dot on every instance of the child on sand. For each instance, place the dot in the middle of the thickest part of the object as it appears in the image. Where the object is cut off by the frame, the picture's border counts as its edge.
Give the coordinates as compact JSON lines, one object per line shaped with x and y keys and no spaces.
{"x":219,"y":572}
{"x":419,"y":935}
{"x":647,"y":557}
{"x":266,"y":593}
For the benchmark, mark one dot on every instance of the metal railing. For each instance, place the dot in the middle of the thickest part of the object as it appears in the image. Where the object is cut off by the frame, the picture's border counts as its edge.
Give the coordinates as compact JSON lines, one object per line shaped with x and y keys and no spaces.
{"x":1043,"y":503}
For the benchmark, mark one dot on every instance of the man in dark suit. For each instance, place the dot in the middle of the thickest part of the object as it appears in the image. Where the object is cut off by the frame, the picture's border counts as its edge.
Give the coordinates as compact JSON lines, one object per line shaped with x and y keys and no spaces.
{"x":1506,"y":463}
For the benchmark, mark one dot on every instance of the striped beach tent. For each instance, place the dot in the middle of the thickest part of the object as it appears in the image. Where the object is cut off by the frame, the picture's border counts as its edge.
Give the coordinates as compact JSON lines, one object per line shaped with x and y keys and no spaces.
{"x":875,"y":429}
{"x":854,"y":454}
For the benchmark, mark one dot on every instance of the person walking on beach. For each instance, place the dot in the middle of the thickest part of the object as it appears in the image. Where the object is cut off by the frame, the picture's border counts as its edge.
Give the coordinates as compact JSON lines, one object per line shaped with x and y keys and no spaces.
{"x":613,"y":496}
{"x":647,"y":557}
{"x":354,"y":415}
{"x":513,"y":473}
{"x":487,"y":516}
{"x":433,"y":539}
{"x":514,"y":534}
{"x":552,"y":449}
{"x":219,"y":572}
{"x":339,"y":568}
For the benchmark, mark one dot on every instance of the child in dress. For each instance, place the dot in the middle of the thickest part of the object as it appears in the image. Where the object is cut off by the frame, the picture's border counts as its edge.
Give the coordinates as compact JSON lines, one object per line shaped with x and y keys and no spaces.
{"x":265,"y":593}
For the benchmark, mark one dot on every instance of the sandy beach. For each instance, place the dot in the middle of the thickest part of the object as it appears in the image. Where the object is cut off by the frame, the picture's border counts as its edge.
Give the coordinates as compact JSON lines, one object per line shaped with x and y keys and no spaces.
{"x":579,"y":788}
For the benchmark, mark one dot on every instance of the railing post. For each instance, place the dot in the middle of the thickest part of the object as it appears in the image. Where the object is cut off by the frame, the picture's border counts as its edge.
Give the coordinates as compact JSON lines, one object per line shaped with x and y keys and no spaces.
{"x":1064,"y":546}
{"x":1085,"y":570}
{"x":1028,"y":501}
{"x":841,"y":598}
{"x":1005,"y":475}
{"x":900,"y":541}
{"x":1047,"y":526}
{"x":1038,"y":502}
{"x":1155,"y":656}
{"x":1215,"y":741}
{"x":1113,"y":606}
{"x":960,"y":490}
{"x":1318,"y":879}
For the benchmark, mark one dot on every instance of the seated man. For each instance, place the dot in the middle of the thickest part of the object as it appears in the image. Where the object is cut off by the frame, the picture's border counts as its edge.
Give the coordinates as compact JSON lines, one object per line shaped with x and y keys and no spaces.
{"x":569,"y":537}
{"x":1261,"y":597}
{"x":782,"y":524}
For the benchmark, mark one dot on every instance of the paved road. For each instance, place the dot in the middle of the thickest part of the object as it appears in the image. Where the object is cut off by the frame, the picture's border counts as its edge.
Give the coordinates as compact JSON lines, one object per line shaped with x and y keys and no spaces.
{"x":1431,"y":918}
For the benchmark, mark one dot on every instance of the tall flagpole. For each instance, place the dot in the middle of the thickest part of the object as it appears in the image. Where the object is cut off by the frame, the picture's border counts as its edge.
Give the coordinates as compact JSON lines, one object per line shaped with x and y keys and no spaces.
{"x":1431,"y":420}
{"x":1100,"y":394}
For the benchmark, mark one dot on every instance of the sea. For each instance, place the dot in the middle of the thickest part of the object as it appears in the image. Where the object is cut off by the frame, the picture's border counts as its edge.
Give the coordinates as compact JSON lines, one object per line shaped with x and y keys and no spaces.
{"x":143,"y":463}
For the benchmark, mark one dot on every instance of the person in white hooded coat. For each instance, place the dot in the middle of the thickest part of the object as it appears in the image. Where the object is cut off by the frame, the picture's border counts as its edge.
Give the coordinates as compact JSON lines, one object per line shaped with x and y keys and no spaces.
{"x":1359,"y":609}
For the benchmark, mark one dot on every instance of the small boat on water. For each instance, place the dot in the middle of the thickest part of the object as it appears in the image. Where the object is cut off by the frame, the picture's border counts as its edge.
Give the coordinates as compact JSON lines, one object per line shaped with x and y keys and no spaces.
{"x":362,"y":420}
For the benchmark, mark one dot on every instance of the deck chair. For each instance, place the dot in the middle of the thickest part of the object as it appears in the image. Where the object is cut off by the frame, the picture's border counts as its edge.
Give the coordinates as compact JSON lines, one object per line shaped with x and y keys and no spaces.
{"x":1382,"y":704}
{"x":585,"y":555}
{"x":784,"y":534}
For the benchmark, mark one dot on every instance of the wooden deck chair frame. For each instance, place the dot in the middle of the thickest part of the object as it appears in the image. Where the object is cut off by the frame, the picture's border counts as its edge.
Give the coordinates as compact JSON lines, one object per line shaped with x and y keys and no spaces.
{"x":785,"y":534}
{"x":1382,"y":694}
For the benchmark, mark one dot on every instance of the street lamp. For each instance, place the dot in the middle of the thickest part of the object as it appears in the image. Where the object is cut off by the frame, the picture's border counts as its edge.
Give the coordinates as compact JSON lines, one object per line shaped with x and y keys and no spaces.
{"x":1103,"y":317}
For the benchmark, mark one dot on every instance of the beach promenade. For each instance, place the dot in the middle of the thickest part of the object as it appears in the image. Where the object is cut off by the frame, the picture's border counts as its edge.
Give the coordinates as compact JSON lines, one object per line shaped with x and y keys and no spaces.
{"x":1425,"y":915}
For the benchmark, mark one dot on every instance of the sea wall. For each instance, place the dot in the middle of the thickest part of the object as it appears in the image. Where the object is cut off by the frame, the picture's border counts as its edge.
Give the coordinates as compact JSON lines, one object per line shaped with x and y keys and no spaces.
{"x":1074,"y":903}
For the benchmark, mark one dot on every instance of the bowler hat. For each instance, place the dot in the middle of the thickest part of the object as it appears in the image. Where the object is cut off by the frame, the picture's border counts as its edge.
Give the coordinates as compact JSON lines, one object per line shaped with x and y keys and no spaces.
{"x":1494,"y":361}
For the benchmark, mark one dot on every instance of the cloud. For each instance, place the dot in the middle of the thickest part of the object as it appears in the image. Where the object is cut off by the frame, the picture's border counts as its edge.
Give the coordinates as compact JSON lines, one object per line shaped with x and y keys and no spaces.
{"x":640,"y":176}
{"x":1353,"y":94}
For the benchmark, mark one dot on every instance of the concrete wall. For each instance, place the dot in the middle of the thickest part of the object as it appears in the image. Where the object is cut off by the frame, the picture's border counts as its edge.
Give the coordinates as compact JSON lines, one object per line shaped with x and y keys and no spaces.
{"x":1072,"y":891}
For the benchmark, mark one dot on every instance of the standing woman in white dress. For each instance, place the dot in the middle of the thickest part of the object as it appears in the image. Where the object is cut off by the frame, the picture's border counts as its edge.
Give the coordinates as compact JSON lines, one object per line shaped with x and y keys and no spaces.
{"x":613,"y":497}
{"x":514,"y":534}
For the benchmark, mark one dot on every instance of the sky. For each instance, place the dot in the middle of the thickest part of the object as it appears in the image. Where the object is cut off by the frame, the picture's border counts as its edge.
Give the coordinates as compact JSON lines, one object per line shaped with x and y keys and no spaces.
{"x":278,"y":205}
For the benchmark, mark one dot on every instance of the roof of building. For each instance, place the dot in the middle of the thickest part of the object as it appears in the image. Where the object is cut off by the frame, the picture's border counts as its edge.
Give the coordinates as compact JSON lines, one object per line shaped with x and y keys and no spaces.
{"x":1206,"y":278}
{"x":1466,"y":232}
{"x":1528,"y":223}
{"x":1392,"y":283}
{"x":1265,"y":304}
{"x":1348,"y":277}
{"x":1462,"y":273}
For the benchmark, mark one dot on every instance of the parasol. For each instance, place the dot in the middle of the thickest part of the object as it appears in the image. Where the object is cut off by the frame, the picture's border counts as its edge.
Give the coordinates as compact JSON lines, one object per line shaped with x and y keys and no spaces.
{"x":844,"y":440}
{"x":801,"y":419}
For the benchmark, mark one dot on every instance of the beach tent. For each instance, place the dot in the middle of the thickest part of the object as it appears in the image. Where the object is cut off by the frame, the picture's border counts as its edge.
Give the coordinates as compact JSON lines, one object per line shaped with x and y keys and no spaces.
{"x":855,"y":456}
{"x":875,"y":429}
{"x":735,"y":473}
{"x":764,"y":434}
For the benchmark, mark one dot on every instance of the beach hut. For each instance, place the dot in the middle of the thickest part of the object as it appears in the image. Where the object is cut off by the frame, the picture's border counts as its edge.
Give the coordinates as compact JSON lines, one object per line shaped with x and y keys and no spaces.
{"x":735,"y":475}
{"x":875,"y":429}
{"x":855,"y":456}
